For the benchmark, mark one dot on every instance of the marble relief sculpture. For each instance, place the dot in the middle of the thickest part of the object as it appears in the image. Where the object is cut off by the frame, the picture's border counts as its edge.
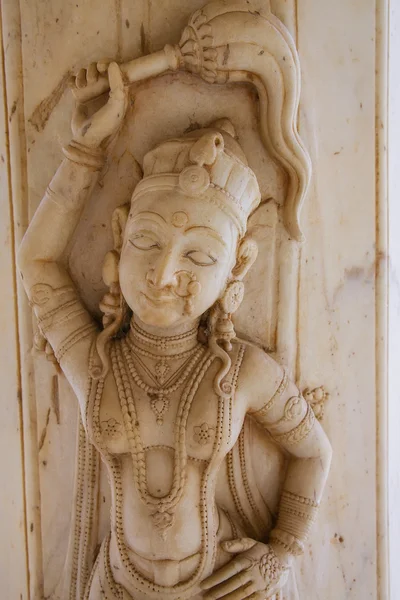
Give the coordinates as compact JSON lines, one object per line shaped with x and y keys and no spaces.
{"x":166,"y":387}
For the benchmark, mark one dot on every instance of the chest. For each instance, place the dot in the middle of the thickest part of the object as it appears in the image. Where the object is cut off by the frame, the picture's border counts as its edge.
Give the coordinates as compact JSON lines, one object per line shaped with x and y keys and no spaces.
{"x":193,"y":418}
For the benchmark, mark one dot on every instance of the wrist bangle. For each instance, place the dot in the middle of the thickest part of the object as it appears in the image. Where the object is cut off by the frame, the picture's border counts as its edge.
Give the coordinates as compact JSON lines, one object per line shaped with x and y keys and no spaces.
{"x":82,"y":155}
{"x":296,"y":515}
{"x":295,"y":518}
{"x":287,"y":541}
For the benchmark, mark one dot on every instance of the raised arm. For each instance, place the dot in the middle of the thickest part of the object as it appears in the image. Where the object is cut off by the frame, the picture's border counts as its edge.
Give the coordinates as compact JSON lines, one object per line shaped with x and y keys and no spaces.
{"x":62,"y":318}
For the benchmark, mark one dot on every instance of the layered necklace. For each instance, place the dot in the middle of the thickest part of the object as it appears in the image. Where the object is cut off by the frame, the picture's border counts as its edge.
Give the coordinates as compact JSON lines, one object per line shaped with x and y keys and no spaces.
{"x":139,"y":345}
{"x":162,"y":509}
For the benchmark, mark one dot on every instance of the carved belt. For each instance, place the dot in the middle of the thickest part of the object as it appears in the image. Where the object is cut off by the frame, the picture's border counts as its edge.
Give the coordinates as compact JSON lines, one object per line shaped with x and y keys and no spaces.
{"x":166,"y":572}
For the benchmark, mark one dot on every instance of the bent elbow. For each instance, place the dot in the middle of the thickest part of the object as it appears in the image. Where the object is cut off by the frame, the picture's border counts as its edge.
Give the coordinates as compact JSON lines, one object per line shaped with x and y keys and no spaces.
{"x":24,"y":258}
{"x":28,"y":264}
{"x":326,"y":453}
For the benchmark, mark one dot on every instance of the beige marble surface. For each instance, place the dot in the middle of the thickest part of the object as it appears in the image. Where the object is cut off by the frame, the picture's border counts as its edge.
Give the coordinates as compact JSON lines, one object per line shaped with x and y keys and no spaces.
{"x":338,"y":299}
{"x":337,"y":293}
{"x":13,"y":524}
{"x":394,"y":300}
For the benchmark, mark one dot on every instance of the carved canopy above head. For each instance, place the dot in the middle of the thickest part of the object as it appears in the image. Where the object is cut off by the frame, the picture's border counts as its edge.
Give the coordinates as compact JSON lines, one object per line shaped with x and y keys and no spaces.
{"x":231,"y":46}
{"x":239,"y":42}
{"x":242,"y":41}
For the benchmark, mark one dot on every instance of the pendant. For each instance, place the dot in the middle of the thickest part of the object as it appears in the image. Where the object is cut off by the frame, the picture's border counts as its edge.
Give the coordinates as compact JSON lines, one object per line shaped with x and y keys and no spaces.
{"x":162,"y":521}
{"x":159,"y":404}
{"x":162,"y":370}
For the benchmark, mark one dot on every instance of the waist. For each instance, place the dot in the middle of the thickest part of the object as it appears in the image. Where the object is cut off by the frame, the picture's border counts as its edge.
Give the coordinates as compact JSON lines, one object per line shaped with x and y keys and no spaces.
{"x":165,"y":572}
{"x":170,"y":572}
{"x":162,"y":572}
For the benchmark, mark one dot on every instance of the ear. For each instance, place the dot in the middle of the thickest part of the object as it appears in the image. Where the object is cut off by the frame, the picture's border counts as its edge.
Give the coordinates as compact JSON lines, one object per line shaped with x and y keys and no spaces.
{"x":118,"y":224}
{"x":246,"y":255}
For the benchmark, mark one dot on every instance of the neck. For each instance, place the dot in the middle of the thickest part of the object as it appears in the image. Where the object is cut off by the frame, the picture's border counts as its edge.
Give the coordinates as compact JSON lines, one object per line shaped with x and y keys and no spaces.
{"x":164,"y":341}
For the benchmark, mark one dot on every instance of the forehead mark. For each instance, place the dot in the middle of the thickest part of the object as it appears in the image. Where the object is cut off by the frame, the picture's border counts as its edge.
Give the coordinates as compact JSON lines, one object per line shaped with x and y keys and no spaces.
{"x":179,"y":219}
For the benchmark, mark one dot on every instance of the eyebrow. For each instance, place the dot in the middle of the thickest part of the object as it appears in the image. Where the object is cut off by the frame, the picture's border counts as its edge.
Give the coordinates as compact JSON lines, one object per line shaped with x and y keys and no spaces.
{"x":210,"y":231}
{"x":148,"y":215}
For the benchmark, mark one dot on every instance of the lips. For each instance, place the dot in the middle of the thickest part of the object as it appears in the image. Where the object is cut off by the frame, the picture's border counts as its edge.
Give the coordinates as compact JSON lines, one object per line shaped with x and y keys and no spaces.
{"x":159,"y":299}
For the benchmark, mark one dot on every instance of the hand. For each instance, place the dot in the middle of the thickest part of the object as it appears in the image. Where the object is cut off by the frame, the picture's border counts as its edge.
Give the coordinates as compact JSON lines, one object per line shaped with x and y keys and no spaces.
{"x":258,"y":572}
{"x":97,"y":130}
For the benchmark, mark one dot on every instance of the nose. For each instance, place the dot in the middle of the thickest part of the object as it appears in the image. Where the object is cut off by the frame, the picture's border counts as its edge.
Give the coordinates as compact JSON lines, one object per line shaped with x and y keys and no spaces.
{"x":163,"y":273}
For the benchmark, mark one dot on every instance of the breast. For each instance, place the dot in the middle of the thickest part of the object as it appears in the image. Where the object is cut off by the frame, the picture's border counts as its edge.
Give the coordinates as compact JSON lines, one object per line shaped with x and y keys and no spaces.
{"x":201,"y":426}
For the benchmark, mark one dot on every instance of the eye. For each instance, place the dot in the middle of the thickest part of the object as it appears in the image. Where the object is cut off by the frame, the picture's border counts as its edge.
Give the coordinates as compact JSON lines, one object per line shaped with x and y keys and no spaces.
{"x":201,"y":259}
{"x":144,"y":242}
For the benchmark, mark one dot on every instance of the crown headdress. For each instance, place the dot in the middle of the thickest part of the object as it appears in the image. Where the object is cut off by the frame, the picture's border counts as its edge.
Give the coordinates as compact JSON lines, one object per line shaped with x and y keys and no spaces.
{"x":206,"y":163}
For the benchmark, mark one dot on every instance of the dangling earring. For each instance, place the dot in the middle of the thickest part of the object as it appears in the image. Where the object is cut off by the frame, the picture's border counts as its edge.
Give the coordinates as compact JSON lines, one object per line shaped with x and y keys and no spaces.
{"x":111,"y":303}
{"x":113,"y":308}
{"x":222,"y":331}
{"x":229,"y":303}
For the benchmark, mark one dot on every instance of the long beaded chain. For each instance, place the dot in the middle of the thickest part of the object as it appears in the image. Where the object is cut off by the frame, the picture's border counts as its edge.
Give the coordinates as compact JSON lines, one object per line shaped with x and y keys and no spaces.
{"x":163,"y":508}
{"x":158,"y":396}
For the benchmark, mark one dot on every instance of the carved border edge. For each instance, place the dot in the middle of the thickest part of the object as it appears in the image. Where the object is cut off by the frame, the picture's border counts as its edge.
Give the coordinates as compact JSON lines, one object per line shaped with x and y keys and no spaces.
{"x":381,"y":296}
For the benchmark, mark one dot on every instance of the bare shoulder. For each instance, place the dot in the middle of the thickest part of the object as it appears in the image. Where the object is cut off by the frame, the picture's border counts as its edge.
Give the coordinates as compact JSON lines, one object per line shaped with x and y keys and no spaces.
{"x":260,"y":375}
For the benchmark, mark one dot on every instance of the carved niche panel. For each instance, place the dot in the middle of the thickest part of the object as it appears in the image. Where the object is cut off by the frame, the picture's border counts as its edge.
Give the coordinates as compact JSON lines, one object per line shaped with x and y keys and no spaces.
{"x":161,"y":265}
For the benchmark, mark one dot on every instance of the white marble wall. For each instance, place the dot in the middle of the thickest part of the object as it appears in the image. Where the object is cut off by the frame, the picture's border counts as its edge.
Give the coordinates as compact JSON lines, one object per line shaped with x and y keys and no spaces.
{"x":340,"y":326}
{"x":394,"y":299}
{"x":13,"y":558}
{"x":338,"y":285}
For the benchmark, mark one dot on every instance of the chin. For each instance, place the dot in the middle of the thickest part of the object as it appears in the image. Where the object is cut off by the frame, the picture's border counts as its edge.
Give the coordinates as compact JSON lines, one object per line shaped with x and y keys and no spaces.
{"x":159,"y":317}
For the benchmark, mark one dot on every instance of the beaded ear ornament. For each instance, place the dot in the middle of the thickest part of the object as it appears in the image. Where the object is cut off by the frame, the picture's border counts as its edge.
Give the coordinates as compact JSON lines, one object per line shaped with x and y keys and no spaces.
{"x":113,"y":304}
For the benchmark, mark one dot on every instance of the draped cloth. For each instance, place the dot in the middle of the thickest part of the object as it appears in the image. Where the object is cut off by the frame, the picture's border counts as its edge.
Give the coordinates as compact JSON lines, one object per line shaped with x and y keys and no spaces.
{"x":86,"y":564}
{"x":102,"y":585}
{"x":241,"y":494}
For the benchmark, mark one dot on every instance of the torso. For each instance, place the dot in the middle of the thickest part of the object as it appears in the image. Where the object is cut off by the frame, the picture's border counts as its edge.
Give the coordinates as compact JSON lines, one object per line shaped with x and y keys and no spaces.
{"x":200,"y":426}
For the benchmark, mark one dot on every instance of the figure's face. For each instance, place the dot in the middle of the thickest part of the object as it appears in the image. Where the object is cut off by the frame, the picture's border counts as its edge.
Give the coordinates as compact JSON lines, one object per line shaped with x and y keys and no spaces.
{"x":177,"y":256}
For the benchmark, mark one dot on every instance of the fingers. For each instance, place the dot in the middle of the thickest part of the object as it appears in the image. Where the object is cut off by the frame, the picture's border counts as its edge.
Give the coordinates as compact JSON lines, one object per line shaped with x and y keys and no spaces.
{"x":257,"y":596}
{"x":116,"y":81}
{"x":117,"y":100}
{"x":232,"y":584}
{"x":106,"y":121}
{"x":87,"y":76}
{"x":242,"y":593}
{"x":92,"y":74}
{"x":239,"y":545}
{"x":102,"y":64}
{"x":80,"y":80}
{"x":232,"y":568}
{"x":89,"y":83}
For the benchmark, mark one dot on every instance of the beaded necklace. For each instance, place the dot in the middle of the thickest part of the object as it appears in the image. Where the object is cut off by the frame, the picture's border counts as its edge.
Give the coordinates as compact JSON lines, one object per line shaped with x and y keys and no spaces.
{"x":158,"y":396}
{"x":186,"y":588}
{"x":165,"y":343}
{"x":160,"y":378}
{"x":163,"y":509}
{"x":161,"y":367}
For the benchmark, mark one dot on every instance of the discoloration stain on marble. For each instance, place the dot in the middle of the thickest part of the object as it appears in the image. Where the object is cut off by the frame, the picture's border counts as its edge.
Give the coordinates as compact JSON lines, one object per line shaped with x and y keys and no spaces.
{"x":43,"y":111}
{"x":44,"y":431}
